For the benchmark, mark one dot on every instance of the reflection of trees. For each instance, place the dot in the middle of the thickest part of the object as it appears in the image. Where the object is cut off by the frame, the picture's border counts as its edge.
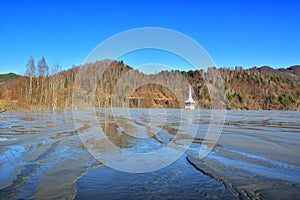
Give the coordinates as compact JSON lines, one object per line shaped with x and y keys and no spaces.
{"x":114,"y":134}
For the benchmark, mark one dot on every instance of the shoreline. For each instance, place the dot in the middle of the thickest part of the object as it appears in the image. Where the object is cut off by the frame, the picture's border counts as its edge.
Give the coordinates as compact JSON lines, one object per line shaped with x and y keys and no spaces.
{"x":87,"y":109}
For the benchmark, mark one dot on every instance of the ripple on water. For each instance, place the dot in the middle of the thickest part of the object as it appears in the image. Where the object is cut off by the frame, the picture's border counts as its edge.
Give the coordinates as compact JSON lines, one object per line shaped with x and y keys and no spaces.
{"x":179,"y":180}
{"x":260,"y":146}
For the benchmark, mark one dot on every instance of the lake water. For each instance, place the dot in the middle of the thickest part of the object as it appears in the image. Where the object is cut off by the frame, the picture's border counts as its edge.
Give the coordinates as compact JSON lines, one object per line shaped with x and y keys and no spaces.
{"x":42,"y":155}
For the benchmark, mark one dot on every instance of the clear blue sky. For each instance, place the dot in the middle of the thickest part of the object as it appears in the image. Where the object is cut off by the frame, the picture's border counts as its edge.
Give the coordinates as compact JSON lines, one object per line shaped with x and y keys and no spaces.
{"x":234,"y":33}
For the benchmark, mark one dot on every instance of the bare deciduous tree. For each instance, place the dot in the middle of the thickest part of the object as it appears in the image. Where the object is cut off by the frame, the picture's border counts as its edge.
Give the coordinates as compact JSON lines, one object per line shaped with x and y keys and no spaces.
{"x":30,"y":71}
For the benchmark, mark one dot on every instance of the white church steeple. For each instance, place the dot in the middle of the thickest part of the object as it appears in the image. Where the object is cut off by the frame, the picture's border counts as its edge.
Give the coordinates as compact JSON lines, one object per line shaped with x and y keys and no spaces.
{"x":190,"y":103}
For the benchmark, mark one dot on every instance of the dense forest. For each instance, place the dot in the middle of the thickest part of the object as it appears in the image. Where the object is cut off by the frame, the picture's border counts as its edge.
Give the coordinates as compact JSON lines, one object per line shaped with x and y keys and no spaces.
{"x":113,"y":83}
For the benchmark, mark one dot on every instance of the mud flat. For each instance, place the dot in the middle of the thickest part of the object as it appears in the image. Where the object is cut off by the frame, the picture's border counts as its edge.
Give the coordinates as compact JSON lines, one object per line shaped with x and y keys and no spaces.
{"x":258,"y":155}
{"x":41,"y":156}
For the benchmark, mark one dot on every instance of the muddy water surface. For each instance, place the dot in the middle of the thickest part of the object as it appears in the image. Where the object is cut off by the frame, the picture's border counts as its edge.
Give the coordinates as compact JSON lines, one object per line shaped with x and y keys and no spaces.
{"x":257,"y":156}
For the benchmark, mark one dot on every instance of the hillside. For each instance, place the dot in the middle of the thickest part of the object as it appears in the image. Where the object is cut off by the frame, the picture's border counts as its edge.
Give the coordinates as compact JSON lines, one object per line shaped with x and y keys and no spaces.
{"x":121,"y":86}
{"x":8,"y":77}
{"x":292,"y":73}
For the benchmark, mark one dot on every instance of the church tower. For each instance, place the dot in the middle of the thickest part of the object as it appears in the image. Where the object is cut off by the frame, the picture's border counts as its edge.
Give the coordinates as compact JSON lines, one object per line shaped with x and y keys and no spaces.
{"x":190,"y":103}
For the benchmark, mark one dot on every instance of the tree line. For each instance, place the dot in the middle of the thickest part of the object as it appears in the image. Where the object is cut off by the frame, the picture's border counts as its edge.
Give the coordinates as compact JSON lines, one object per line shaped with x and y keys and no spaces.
{"x":50,"y":88}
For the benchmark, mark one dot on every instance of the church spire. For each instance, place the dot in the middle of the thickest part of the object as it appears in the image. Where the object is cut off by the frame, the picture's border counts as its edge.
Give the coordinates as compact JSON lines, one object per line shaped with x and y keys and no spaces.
{"x":190,"y":103}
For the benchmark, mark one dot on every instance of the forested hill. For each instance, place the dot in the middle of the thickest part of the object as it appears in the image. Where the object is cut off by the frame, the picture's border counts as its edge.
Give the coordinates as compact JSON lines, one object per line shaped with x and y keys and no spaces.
{"x":255,"y":88}
{"x":8,"y":77}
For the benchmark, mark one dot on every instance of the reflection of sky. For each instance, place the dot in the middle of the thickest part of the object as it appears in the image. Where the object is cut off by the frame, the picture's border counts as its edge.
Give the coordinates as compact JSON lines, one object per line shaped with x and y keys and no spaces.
{"x":8,"y":160}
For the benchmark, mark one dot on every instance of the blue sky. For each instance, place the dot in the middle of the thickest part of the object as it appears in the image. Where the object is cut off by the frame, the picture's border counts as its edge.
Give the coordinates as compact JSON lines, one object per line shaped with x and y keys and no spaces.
{"x":234,"y":33}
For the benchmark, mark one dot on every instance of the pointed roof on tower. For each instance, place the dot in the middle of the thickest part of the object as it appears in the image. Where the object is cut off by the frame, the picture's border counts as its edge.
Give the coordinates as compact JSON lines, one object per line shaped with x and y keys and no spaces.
{"x":190,"y":99}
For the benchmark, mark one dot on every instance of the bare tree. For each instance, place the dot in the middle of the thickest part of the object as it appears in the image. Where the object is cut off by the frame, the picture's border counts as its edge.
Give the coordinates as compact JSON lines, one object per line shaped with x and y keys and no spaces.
{"x":43,"y":67}
{"x":30,"y":71}
{"x":42,"y":73}
{"x":54,"y":86}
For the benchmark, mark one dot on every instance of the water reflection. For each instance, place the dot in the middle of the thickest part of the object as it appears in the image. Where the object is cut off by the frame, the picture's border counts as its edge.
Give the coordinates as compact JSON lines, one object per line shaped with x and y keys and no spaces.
{"x":41,"y":155}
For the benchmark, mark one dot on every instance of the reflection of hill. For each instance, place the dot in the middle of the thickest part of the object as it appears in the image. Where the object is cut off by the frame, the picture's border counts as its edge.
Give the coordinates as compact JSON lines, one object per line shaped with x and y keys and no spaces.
{"x":121,"y":86}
